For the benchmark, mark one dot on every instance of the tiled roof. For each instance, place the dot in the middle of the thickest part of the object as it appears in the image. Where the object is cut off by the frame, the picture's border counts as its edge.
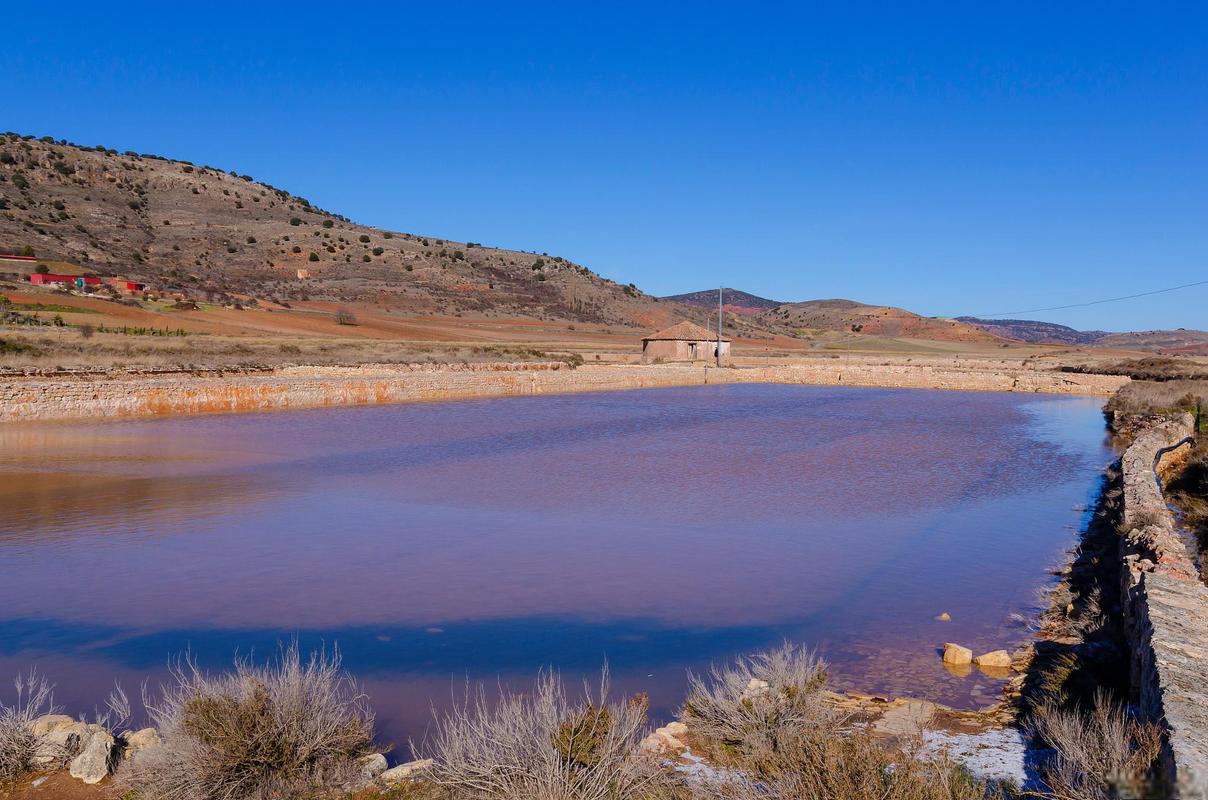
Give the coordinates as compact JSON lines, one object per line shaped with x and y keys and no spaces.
{"x":687,"y":332}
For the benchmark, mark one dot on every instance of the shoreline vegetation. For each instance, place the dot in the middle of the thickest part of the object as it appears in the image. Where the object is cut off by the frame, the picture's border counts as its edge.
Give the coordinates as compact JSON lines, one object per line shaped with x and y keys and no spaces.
{"x":762,"y":727}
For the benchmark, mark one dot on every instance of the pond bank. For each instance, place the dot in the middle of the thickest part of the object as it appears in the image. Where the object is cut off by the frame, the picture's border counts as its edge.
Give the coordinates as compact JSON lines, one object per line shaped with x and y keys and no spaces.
{"x":135,"y":394}
{"x":1165,"y":608}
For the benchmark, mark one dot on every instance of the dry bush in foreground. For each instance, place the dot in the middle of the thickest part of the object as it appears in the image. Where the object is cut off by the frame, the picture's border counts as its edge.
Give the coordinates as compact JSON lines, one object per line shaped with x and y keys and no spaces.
{"x":745,"y":709}
{"x":18,"y":744}
{"x":821,"y":763}
{"x":285,"y":729}
{"x":545,"y":745}
{"x":764,"y":716}
{"x":1098,"y":754}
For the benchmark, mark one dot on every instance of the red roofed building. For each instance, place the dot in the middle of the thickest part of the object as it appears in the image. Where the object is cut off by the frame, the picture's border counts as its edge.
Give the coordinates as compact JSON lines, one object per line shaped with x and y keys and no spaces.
{"x":684,"y":341}
{"x":47,"y":279}
{"x":123,"y":285}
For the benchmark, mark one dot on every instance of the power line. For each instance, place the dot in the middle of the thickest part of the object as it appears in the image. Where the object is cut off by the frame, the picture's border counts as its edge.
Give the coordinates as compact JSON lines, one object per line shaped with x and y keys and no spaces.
{"x":1093,"y":302}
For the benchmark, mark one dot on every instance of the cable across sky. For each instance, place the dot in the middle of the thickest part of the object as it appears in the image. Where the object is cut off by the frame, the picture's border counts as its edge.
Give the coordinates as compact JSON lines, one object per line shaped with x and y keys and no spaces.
{"x":1094,"y":302}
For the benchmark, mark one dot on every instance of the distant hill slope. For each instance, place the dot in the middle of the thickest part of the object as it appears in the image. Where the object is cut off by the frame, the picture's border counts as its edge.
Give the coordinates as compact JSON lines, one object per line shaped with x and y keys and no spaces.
{"x":1026,"y":330}
{"x":852,"y":317}
{"x":209,"y":233}
{"x":1182,"y":340}
{"x":734,"y":301}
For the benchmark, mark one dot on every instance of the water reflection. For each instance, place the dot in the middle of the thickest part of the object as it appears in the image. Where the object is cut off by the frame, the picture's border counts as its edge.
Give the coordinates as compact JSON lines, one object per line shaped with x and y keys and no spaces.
{"x":659,"y":529}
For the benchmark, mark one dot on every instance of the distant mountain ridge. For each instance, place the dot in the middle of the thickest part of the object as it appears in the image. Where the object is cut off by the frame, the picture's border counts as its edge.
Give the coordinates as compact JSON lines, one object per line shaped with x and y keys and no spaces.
{"x":734,"y":301}
{"x":1027,"y":330}
{"x":1171,"y":342}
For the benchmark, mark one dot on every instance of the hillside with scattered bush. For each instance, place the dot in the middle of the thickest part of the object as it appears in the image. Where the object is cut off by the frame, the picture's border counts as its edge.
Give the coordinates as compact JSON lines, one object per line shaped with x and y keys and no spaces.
{"x":849,"y":316}
{"x":208,"y":233}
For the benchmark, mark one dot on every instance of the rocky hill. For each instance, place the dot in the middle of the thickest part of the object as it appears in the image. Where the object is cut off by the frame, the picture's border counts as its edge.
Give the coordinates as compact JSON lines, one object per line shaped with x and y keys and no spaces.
{"x":851,"y":317}
{"x":212,"y":234}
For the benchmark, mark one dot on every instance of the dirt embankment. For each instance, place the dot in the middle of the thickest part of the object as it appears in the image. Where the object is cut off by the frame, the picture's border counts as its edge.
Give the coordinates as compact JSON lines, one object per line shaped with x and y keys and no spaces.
{"x":122,"y":394}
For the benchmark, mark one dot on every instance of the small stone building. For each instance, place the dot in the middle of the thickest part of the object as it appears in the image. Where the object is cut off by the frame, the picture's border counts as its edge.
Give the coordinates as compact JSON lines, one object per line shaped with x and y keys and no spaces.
{"x":684,"y":341}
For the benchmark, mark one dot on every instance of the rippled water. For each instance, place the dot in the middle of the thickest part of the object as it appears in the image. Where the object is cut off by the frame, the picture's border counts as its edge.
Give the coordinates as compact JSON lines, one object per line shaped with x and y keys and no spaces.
{"x":660,"y":530}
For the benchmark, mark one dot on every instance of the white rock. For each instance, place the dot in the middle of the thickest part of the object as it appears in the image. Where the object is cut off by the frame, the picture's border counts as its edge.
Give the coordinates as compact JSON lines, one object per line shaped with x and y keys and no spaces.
{"x":406,"y":771}
{"x":50,"y":722}
{"x":137,"y":741}
{"x":372,"y":766}
{"x":676,"y":729}
{"x":755,"y":688}
{"x":652,"y":744}
{"x":95,"y":760}
{"x":662,"y":742}
{"x":60,"y":744}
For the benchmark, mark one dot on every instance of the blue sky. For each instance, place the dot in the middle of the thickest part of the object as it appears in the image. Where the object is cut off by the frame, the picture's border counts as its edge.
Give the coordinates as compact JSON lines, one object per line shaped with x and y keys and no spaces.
{"x":943,"y":158}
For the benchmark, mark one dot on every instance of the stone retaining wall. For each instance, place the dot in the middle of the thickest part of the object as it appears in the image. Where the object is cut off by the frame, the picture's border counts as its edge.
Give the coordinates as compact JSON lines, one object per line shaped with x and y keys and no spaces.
{"x":1165,"y":610}
{"x":117,"y":395}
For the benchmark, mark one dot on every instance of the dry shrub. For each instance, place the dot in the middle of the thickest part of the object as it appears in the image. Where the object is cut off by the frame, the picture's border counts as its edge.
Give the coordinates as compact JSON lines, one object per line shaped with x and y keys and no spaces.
{"x":18,"y":745}
{"x":544,"y":745}
{"x":1152,"y":368}
{"x":1188,"y":491}
{"x":285,"y":729}
{"x":782,"y":742}
{"x":1098,"y":754}
{"x":1168,"y":398}
{"x":746,"y":708}
{"x":821,"y":763}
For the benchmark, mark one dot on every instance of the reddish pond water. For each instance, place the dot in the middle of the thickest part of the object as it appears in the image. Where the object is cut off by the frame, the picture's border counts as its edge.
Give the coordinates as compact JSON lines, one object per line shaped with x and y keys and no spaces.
{"x":660,"y":530}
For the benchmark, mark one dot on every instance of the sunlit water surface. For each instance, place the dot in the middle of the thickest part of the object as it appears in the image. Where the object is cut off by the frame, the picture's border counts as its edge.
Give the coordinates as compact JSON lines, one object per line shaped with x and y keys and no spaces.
{"x":659,"y":530}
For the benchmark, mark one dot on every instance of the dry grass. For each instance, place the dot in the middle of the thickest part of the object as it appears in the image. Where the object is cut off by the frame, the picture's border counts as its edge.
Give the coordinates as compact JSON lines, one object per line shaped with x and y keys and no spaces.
{"x":744,"y":710}
{"x":18,"y":745}
{"x":820,"y":764}
{"x":1154,"y":368}
{"x":1188,"y":492}
{"x":782,"y":742}
{"x":45,"y":348}
{"x":545,"y":744}
{"x":1146,"y":399}
{"x":1099,"y":752}
{"x":290,"y":728}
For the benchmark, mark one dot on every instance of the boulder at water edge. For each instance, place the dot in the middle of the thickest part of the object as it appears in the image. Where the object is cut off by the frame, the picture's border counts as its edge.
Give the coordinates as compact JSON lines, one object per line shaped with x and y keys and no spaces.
{"x":955,"y":654}
{"x":1000,"y":659}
